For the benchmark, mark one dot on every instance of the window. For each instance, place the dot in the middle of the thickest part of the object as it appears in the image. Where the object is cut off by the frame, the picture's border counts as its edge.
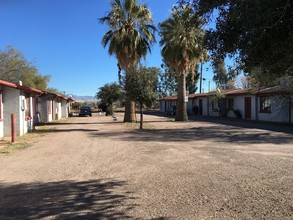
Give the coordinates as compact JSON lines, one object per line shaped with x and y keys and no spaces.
{"x":265,"y":104}
{"x":215,"y":106}
{"x":230,"y":103}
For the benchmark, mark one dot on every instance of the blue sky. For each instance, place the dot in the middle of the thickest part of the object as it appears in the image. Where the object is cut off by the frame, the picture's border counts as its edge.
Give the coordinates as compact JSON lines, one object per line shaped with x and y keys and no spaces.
{"x":62,"y":38}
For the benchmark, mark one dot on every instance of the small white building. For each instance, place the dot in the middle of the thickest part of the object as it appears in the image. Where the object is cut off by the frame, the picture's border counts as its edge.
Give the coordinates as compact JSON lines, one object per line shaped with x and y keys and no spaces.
{"x":20,"y":101}
{"x":30,"y":106}
{"x":269,"y":104}
{"x":52,"y":107}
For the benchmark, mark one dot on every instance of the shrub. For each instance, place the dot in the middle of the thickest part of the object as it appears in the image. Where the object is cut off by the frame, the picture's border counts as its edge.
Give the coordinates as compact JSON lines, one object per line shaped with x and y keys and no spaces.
{"x":237,"y":113}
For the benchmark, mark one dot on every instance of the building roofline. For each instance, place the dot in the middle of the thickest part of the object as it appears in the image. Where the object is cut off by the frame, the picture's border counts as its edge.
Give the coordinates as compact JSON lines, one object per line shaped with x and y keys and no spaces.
{"x":20,"y":87}
{"x":30,"y":89}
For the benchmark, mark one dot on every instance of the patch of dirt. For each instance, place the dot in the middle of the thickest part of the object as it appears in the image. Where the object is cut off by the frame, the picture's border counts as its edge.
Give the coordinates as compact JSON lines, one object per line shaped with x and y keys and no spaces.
{"x":97,"y":168}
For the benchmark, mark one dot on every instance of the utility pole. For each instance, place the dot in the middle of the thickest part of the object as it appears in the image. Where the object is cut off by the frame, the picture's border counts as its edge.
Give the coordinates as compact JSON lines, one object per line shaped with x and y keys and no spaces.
{"x":200,"y":78}
{"x":209,"y":86}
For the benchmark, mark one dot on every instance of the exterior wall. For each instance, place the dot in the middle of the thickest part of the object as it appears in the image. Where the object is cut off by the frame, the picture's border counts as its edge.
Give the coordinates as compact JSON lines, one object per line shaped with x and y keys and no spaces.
{"x":279,"y":110}
{"x":55,"y":110}
{"x":14,"y":104}
{"x":164,"y":105}
{"x":210,"y":110}
{"x":47,"y":109}
{"x":1,"y":117}
{"x":51,"y":110}
{"x":64,"y":108}
{"x":205,"y":105}
{"x":50,"y":107}
{"x":238,"y":105}
{"x":230,"y":112}
{"x":1,"y":129}
{"x":189,"y":105}
{"x":59,"y":110}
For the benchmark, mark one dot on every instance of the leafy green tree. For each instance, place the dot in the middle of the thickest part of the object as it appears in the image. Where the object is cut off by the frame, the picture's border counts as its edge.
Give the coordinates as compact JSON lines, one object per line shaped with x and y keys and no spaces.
{"x":220,"y":73}
{"x":130,"y":37}
{"x":168,"y":85}
{"x":14,"y":67}
{"x":142,"y":86}
{"x":167,"y":82}
{"x":108,"y":94}
{"x":223,"y":77}
{"x":181,"y":41}
{"x":258,"y":34}
{"x":56,"y":91}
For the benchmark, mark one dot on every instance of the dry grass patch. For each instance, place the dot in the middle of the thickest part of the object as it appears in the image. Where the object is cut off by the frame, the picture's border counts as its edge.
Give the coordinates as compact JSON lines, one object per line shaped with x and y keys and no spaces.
{"x":25,"y":141}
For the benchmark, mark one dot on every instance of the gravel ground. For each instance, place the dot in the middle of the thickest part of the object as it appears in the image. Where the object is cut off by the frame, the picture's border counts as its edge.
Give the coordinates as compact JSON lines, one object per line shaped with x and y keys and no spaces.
{"x":94,"y":168}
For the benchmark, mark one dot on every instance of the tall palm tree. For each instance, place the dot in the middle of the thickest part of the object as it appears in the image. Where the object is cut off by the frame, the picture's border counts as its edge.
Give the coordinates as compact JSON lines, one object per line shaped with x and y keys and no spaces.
{"x":130,"y":37}
{"x":181,"y":42}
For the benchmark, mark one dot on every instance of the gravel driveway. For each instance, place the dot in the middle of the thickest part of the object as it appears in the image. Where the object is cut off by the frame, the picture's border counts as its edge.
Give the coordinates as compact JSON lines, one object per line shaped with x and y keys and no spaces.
{"x":95,"y":168}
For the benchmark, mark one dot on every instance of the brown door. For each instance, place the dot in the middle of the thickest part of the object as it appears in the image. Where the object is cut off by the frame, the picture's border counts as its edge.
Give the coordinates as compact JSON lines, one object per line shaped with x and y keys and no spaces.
{"x":200,"y":107}
{"x":247,"y":106}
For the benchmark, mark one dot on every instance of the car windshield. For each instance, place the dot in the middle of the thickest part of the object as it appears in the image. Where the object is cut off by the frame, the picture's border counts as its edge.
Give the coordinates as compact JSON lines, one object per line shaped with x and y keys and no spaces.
{"x":84,"y":108}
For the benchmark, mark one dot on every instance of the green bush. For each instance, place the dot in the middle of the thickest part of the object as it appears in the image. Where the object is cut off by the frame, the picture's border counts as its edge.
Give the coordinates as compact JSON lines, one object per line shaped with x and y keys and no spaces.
{"x":237,"y":113}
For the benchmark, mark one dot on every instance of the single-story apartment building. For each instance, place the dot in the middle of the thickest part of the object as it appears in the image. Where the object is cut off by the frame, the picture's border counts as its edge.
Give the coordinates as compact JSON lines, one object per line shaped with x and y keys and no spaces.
{"x":51,"y":106}
{"x":30,"y":106}
{"x":266,"y":104}
{"x":18,"y":100}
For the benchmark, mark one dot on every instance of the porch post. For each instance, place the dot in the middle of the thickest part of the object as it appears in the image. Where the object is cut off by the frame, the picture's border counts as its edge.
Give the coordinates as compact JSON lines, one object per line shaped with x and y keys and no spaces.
{"x":13,"y":128}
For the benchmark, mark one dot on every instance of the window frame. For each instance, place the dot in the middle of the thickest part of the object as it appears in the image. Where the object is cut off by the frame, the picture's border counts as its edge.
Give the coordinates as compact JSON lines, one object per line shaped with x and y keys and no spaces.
{"x":265,"y":104}
{"x":215,"y":105}
{"x":230,"y":103}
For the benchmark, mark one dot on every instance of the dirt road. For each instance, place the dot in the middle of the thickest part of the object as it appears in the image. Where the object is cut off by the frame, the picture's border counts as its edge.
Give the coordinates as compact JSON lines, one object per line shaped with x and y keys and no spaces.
{"x":94,"y":168}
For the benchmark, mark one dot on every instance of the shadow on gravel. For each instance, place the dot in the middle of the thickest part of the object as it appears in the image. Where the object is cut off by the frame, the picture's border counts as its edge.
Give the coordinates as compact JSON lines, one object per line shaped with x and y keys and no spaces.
{"x":94,"y":199}
{"x":216,"y":133}
{"x":65,"y":130}
{"x":77,"y":123}
{"x":271,"y":126}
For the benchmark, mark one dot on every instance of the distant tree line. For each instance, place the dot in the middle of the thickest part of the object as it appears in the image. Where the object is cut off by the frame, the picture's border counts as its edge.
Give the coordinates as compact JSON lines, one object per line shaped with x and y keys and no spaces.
{"x":14,"y":67}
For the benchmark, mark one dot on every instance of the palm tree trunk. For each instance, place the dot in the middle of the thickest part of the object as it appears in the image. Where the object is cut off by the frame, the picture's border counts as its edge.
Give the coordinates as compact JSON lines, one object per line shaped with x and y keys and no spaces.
{"x":181,"y":113}
{"x":129,"y":115}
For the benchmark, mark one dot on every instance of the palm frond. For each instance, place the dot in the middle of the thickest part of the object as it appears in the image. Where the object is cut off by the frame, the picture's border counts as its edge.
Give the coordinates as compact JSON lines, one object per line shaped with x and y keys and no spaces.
{"x":181,"y":39}
{"x":131,"y":31}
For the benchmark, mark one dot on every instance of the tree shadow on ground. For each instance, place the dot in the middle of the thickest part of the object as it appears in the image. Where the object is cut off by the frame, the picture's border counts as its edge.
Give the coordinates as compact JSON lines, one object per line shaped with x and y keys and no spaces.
{"x":94,"y":199}
{"x":215,"y":133}
{"x":65,"y":130}
{"x":270,"y":126}
{"x":76,"y":123}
